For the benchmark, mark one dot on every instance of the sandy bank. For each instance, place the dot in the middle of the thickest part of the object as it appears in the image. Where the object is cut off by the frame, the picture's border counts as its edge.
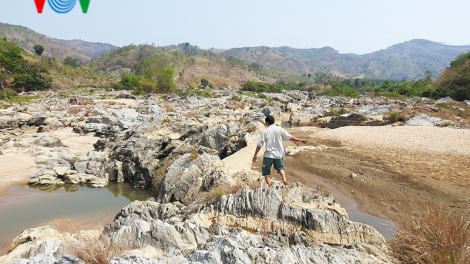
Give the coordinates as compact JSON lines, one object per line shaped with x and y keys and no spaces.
{"x":15,"y":170}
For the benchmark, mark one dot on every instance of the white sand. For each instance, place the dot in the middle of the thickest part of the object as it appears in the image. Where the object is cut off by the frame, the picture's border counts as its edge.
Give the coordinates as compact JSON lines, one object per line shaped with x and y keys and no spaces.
{"x":404,"y":138}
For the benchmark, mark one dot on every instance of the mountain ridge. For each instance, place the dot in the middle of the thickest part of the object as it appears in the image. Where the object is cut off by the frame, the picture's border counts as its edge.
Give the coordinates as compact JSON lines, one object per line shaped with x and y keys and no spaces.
{"x":408,"y":60}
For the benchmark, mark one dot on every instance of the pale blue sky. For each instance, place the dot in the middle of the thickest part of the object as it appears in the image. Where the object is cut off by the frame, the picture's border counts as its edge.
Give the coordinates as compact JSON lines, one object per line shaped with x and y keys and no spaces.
{"x":349,"y":26}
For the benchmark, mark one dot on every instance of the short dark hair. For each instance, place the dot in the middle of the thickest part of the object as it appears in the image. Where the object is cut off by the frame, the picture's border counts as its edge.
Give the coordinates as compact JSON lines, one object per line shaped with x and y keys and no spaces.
{"x":269,"y":119}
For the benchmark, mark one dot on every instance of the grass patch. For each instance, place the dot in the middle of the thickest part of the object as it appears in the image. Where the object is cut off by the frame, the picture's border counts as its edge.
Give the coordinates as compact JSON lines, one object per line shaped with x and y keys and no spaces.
{"x":218,"y":191}
{"x":435,"y":235}
{"x":236,"y":98}
{"x":443,"y":105}
{"x":21,"y":99}
{"x":395,"y":117}
{"x":338,"y":112}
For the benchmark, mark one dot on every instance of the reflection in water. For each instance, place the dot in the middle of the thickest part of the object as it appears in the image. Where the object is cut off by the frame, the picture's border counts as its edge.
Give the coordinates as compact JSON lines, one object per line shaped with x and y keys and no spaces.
{"x":70,"y":188}
{"x":43,"y":204}
{"x":286,"y":124}
{"x":117,"y":189}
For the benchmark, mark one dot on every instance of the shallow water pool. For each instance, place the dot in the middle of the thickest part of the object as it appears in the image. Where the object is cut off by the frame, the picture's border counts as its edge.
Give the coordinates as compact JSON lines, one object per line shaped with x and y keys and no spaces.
{"x":35,"y":206}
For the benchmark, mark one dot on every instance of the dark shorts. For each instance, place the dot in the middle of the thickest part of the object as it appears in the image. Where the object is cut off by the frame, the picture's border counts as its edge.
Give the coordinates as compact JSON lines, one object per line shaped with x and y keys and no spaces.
{"x":267,"y":162}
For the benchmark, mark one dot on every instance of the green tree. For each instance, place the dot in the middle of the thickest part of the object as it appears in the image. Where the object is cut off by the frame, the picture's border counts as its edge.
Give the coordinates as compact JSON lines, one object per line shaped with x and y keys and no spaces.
{"x":159,"y":80}
{"x":38,"y":49}
{"x":204,"y":82}
{"x":428,"y":78}
{"x":357,"y":83}
{"x":130,"y":81}
{"x":71,"y":62}
{"x":31,"y":78}
{"x":11,"y":63}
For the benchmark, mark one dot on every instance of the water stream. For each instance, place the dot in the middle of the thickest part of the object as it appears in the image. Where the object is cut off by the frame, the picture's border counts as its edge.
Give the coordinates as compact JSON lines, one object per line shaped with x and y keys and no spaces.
{"x":35,"y":206}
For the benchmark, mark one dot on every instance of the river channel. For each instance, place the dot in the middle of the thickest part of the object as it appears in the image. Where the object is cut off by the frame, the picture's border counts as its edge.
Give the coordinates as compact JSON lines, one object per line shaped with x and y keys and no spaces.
{"x":92,"y":208}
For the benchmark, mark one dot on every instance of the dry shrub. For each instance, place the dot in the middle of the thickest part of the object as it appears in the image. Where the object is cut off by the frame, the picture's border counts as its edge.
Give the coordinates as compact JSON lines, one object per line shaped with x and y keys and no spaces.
{"x":168,"y":107}
{"x":251,"y":129}
{"x":98,"y":250}
{"x":74,"y":111}
{"x":87,"y":112}
{"x":435,"y":235}
{"x":322,"y":190}
{"x":218,"y":191}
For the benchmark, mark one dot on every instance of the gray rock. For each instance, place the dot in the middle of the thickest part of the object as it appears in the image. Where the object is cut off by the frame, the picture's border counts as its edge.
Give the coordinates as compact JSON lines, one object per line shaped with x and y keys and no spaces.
{"x":444,"y":100}
{"x":135,"y":159}
{"x":188,"y":175}
{"x":353,"y":119}
{"x":13,"y":119}
{"x":424,"y":120}
{"x":226,"y":139}
{"x":34,"y":140}
{"x":126,"y":96}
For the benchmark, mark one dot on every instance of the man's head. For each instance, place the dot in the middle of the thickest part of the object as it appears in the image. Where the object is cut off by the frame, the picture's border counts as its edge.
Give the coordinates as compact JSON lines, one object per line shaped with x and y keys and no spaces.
{"x":269,"y":120}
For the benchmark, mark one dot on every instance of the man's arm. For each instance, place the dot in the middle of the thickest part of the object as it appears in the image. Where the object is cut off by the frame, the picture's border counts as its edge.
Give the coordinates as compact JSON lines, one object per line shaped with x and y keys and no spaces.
{"x":299,"y":140}
{"x":256,"y":153}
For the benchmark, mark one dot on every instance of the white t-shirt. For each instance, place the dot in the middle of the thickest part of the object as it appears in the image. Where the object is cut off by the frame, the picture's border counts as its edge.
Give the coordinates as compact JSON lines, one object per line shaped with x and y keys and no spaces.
{"x":273,"y":136}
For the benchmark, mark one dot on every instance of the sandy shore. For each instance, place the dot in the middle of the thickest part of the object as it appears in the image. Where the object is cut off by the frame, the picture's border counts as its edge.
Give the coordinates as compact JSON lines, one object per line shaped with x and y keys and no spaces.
{"x":15,"y":169}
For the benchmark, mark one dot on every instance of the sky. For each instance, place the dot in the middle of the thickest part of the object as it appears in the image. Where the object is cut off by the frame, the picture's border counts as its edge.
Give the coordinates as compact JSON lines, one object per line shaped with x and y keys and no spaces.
{"x":349,"y":26}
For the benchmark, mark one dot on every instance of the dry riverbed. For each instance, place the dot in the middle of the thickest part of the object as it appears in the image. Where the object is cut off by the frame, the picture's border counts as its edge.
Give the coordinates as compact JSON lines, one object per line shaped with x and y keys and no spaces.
{"x":398,"y":169}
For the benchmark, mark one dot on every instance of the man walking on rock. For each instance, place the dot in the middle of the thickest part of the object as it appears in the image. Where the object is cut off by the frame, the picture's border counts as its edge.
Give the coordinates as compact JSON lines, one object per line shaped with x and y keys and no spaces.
{"x":274,"y":151}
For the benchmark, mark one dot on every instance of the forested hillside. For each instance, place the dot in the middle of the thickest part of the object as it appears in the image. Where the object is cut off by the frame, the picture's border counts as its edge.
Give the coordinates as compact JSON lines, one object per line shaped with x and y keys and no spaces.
{"x":189,"y":65}
{"x":27,"y":38}
{"x":409,"y":60}
{"x":22,"y":70}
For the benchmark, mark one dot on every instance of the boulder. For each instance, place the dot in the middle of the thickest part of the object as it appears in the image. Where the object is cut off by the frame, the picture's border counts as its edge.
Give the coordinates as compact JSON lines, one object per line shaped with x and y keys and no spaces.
{"x":353,"y":119}
{"x":35,"y":140}
{"x":425,"y":120}
{"x":60,"y":170}
{"x":9,"y":120}
{"x":226,"y":139}
{"x":126,"y":96}
{"x":134,"y":160}
{"x":189,"y":175}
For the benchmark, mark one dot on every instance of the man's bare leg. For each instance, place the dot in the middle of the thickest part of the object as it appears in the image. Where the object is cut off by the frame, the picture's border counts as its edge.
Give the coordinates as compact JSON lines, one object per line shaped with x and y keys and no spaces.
{"x":283,"y":174}
{"x":268,"y":181}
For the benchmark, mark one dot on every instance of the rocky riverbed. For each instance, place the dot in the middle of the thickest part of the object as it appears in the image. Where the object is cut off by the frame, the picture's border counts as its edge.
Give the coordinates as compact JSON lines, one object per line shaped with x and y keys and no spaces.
{"x":211,"y":207}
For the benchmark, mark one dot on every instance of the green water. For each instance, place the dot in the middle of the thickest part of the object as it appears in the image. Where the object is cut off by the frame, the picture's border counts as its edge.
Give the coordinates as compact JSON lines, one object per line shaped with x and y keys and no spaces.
{"x":39,"y":205}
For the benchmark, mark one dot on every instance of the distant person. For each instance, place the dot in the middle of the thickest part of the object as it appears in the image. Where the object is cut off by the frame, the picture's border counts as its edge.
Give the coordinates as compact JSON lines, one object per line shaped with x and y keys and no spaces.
{"x":274,"y":151}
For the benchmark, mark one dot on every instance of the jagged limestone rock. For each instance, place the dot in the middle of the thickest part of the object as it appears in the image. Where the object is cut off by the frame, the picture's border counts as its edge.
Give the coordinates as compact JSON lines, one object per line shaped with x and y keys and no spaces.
{"x":188,"y":175}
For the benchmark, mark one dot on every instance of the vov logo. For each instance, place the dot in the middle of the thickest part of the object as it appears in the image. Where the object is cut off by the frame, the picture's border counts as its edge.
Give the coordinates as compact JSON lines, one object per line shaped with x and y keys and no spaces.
{"x":62,"y":6}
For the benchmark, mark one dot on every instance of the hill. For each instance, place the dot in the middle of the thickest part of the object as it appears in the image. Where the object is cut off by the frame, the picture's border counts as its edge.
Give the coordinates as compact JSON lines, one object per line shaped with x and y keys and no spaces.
{"x":409,"y":60}
{"x":91,"y":49}
{"x":190,"y":65}
{"x":27,"y":38}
